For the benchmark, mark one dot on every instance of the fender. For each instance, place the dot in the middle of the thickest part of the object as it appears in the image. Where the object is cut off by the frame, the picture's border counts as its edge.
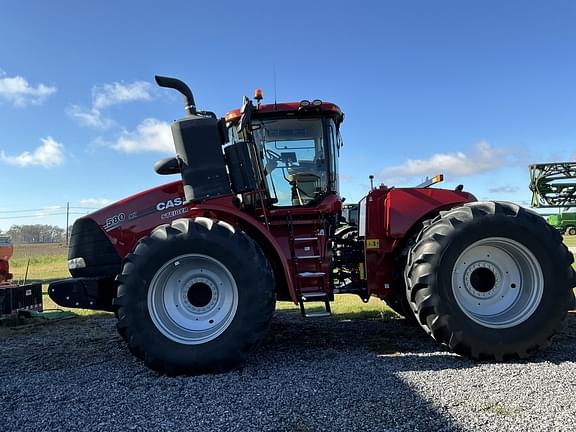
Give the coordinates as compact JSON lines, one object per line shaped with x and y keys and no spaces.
{"x":406,"y":207}
{"x":391,"y":216}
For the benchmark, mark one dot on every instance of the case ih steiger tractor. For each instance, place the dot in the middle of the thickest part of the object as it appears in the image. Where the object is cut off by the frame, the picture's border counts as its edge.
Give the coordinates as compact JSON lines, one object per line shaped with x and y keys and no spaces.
{"x":193,"y":268}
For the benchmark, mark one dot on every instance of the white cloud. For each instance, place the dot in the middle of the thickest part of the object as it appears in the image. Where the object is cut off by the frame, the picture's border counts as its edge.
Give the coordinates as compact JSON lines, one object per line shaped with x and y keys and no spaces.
{"x":95,"y":202}
{"x":18,"y":91}
{"x":504,"y":189}
{"x":150,"y":135}
{"x":483,"y":157}
{"x":49,"y":154}
{"x":105,"y":96}
{"x":117,"y":93}
{"x":89,"y":117}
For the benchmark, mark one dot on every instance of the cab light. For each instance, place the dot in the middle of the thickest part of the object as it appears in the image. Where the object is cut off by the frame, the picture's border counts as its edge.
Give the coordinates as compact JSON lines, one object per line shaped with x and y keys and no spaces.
{"x":437,"y":179}
{"x":258,"y":96}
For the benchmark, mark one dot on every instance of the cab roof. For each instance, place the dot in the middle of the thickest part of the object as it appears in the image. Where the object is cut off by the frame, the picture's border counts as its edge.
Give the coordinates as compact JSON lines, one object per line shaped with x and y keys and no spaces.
{"x":326,"y":108}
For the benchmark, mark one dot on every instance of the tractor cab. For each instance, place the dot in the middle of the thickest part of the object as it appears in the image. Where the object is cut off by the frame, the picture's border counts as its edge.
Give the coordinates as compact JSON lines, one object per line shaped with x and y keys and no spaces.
{"x":296,"y":148}
{"x":279,"y":155}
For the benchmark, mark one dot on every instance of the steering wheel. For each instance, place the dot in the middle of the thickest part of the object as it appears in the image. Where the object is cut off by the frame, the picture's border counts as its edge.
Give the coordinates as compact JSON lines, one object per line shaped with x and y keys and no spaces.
{"x":275,"y":156}
{"x":273,"y":159}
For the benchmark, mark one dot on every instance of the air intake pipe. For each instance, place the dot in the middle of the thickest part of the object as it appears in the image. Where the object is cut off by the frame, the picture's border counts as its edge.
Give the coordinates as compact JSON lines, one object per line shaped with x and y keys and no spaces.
{"x":176,"y":84}
{"x":198,"y":141}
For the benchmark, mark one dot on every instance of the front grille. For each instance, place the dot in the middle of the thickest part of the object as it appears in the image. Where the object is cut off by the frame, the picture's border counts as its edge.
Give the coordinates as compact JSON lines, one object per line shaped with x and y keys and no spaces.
{"x":89,"y":242}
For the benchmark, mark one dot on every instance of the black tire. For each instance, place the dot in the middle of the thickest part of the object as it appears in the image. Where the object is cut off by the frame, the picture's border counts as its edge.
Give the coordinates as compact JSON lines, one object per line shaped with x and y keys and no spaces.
{"x":346,"y":231}
{"x":146,"y":312}
{"x":571,"y":231}
{"x":399,"y":302}
{"x":432,"y":293}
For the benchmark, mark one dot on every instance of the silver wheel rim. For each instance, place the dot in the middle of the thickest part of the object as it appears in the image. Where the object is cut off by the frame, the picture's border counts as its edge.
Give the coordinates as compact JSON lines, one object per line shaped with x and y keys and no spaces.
{"x":497,"y":282}
{"x":192,"y":299}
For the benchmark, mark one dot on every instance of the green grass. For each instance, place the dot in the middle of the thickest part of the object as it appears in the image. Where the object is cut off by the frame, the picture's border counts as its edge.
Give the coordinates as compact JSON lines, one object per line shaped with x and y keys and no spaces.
{"x":49,"y":262}
{"x":43,"y":263}
{"x":570,"y":241}
{"x":39,"y":262}
{"x":43,"y":269}
{"x":347,"y":306}
{"x":39,"y":250}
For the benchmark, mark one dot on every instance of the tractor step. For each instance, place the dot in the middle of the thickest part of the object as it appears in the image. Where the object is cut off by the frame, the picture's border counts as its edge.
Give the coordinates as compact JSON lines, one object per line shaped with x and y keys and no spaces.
{"x":318,"y":296}
{"x":311,"y":275}
{"x":305,"y":238}
{"x":314,"y":296}
{"x":317,"y":314}
{"x":307,"y":257}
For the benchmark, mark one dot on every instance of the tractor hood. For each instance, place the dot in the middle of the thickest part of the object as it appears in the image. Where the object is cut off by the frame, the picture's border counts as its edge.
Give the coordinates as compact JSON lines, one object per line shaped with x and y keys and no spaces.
{"x":113,"y":230}
{"x":153,"y":203}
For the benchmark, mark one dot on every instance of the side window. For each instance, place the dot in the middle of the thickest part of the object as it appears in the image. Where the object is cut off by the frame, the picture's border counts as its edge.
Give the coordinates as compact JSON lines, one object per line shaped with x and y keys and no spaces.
{"x":334,"y":150}
{"x":295,"y":156}
{"x":232,"y":134}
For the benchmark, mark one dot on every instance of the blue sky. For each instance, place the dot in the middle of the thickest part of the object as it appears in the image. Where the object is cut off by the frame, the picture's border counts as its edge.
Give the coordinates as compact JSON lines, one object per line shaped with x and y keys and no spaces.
{"x":474,"y":89}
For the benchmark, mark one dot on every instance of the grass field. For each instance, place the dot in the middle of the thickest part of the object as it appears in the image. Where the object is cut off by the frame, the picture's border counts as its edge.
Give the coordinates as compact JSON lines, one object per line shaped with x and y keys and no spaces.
{"x":39,"y":250}
{"x":570,"y":241}
{"x":39,"y":263}
{"x":42,"y":263}
{"x":46,"y":263}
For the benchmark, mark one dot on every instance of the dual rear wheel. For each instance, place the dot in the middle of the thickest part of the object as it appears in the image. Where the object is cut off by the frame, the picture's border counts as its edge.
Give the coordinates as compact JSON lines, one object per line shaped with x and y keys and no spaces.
{"x":490,"y":280}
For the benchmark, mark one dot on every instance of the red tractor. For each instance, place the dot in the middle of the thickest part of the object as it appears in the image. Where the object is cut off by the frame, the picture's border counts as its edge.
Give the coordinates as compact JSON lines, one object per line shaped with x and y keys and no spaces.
{"x":193,"y":268}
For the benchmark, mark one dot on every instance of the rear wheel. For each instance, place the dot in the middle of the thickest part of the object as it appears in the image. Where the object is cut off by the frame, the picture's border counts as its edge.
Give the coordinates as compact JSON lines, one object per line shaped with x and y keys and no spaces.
{"x":490,"y":280}
{"x":571,"y":230}
{"x":194,"y":297}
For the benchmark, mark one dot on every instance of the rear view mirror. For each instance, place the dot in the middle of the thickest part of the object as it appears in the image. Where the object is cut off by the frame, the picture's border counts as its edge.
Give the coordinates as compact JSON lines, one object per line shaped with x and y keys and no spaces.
{"x":167,"y":166}
{"x":247,"y":108}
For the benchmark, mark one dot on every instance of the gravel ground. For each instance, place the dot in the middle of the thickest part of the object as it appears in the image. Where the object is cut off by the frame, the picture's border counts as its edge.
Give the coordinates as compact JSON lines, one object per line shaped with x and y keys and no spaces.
{"x":308,"y":375}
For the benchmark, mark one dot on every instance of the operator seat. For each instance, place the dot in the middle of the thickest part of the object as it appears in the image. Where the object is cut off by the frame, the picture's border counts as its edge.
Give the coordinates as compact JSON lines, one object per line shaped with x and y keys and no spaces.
{"x":305,"y":187}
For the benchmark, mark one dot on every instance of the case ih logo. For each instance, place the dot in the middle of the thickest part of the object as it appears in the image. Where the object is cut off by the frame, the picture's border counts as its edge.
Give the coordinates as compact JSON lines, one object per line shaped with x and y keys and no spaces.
{"x":176,"y":202}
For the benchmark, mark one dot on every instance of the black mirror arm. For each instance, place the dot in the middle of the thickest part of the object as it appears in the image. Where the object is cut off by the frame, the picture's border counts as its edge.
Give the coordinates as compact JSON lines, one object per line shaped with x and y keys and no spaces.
{"x":247,"y":109}
{"x":168,"y":166}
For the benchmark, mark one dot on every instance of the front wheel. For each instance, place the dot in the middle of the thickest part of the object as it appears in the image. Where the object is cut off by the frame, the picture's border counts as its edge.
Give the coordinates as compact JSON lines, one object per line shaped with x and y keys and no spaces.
{"x":194,"y":297}
{"x":571,"y":231}
{"x":490,"y":280}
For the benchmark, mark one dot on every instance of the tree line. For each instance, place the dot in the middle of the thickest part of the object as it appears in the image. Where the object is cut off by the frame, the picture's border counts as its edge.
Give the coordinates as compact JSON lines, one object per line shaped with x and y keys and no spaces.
{"x":36,"y":234}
